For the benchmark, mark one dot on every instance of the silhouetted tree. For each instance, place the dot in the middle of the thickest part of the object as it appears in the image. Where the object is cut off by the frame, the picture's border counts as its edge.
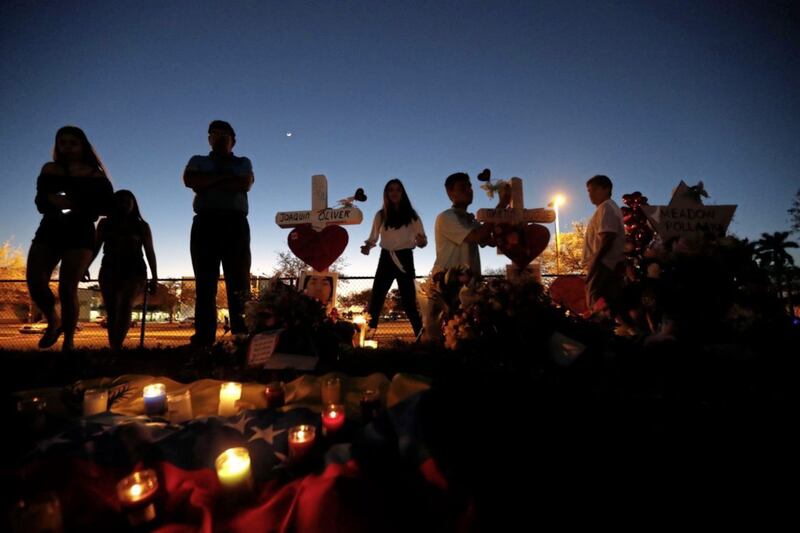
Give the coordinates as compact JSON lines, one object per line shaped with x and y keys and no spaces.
{"x":794,"y":213}
{"x":771,"y":251}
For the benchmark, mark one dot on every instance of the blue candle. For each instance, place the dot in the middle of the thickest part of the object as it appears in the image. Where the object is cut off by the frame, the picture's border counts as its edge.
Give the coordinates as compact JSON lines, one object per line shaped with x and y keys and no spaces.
{"x":155,"y":399}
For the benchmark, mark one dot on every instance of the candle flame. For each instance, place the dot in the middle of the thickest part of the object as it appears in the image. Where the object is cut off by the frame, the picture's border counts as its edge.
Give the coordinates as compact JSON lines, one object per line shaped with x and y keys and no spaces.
{"x":154,"y":390}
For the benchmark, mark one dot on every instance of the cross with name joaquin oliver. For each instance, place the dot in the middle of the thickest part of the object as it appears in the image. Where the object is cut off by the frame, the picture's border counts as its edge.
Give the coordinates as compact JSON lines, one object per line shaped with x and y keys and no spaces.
{"x":320,"y":215}
{"x":318,"y":237}
{"x":517,"y":213}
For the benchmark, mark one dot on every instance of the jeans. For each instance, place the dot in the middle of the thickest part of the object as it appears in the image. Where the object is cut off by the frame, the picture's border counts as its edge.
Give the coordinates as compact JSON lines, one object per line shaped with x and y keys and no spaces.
{"x":220,"y":237}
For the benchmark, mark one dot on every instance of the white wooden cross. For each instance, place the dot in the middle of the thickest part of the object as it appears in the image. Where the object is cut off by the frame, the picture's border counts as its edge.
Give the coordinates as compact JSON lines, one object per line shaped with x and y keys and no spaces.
{"x":517,"y":213}
{"x":320,"y":215}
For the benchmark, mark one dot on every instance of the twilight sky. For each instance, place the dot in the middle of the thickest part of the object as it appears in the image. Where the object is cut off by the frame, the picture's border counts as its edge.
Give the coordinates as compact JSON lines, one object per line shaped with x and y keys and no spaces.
{"x":648,"y":93}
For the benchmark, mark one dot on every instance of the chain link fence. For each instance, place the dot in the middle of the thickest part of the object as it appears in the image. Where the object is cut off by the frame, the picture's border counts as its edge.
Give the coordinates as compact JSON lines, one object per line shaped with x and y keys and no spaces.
{"x":166,"y":319}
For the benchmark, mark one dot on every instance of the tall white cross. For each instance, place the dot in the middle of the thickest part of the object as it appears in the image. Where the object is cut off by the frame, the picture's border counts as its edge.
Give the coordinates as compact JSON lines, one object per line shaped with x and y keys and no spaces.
{"x":517,"y":213}
{"x":320,"y":215}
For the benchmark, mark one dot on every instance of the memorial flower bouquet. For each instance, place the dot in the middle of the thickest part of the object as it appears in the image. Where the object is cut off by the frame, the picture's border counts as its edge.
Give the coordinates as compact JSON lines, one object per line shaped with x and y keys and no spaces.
{"x":497,"y":320}
{"x":306,"y":328}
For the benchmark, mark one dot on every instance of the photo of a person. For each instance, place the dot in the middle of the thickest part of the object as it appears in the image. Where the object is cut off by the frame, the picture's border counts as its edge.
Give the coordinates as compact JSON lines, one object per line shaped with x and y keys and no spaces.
{"x":321,"y":287}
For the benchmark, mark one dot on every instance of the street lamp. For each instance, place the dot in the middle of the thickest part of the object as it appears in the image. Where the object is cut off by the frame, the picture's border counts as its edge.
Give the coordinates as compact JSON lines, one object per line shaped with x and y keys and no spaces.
{"x":557,"y":200}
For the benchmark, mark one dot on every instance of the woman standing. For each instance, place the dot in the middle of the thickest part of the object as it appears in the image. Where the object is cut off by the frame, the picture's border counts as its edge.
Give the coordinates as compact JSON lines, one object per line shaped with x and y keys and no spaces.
{"x":400,"y":230}
{"x":123,"y":272}
{"x":72,"y":191}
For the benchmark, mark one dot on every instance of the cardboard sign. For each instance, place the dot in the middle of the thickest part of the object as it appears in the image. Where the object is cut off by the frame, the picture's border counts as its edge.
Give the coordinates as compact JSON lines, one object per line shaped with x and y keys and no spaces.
{"x":262,"y":346}
{"x":687,"y":217}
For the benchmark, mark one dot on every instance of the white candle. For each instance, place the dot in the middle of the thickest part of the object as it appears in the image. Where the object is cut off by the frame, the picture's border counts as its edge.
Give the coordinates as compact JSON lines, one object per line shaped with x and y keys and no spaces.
{"x":331,"y":390}
{"x":361,"y":322}
{"x":179,"y":407}
{"x":95,"y":401}
{"x":233,"y":469}
{"x":229,"y":393}
{"x":155,"y":399}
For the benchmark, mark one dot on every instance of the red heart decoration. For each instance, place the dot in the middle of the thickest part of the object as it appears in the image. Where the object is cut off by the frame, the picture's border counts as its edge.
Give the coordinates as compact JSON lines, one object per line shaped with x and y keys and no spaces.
{"x":521,"y":244}
{"x":318,"y":248}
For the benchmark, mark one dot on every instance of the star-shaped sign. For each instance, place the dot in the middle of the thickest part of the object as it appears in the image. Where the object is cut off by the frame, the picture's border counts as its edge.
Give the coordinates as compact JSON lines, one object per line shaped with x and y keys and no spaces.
{"x":686,"y":216}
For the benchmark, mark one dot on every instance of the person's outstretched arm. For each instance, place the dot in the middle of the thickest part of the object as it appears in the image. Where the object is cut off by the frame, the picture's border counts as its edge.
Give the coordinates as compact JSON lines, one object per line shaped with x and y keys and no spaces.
{"x":149,"y":252}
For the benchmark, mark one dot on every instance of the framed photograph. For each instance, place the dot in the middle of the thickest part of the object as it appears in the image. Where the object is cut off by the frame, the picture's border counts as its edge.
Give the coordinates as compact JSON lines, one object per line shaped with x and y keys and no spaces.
{"x":320,"y":286}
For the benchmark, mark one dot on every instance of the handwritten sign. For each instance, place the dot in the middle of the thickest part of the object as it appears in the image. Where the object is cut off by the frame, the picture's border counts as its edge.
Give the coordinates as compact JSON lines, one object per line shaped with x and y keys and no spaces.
{"x":345,"y":215}
{"x":262,"y":346}
{"x":320,"y":214}
{"x":686,"y":216}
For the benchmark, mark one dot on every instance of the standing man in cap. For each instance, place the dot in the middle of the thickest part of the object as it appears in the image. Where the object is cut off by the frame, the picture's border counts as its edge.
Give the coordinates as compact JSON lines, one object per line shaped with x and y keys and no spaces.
{"x":220,"y":231}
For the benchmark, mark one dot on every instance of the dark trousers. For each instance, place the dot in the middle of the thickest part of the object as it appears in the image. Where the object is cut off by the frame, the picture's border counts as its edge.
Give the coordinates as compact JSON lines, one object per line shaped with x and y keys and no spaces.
{"x":388,"y":272}
{"x":605,"y":283}
{"x":221,"y":237}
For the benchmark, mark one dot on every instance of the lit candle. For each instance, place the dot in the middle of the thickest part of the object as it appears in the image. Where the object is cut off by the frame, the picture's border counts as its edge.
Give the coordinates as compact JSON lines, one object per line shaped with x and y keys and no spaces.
{"x":32,"y":412}
{"x":233,"y":470}
{"x":361,"y":322}
{"x":331,"y":390}
{"x":179,"y":407}
{"x":333,"y":418}
{"x":229,"y":394}
{"x":135,"y":493}
{"x":95,"y":401}
{"x":370,"y":404}
{"x":40,"y":512}
{"x":371,"y":344}
{"x":155,"y":399}
{"x":276,"y":395}
{"x":301,"y":440}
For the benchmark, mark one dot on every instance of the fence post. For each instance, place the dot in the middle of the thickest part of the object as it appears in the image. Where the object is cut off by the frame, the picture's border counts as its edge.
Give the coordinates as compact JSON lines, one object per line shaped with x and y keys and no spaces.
{"x":144,"y":318}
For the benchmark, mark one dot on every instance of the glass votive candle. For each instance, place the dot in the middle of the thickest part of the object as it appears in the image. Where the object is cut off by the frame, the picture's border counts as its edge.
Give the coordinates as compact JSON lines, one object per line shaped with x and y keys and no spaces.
{"x":275,"y":393}
{"x":155,"y":399}
{"x":361,"y":324}
{"x":331,"y":390}
{"x":95,"y":401}
{"x":229,"y":394}
{"x":136,"y":494}
{"x":333,"y":418}
{"x":301,"y":441}
{"x":179,"y":407}
{"x":370,"y":404}
{"x":233,"y":470}
{"x":41,"y":512}
{"x":32,"y":412}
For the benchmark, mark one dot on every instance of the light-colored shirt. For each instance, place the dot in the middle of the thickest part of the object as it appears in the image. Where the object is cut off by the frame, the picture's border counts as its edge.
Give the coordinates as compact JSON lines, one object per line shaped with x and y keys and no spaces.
{"x":402,"y":238}
{"x":452,"y":227}
{"x":607,"y":218}
{"x":216,"y":198}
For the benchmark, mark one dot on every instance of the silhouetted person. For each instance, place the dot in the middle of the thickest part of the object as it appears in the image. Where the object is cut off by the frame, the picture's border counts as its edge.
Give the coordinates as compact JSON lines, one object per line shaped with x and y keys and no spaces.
{"x":220,"y":231}
{"x":604,"y":246}
{"x":71,"y":192}
{"x":123,"y":274}
{"x":458,"y":234}
{"x":400,"y":230}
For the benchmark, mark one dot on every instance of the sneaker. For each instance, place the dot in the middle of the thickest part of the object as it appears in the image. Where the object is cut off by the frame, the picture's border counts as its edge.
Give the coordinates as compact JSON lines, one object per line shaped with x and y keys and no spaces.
{"x":50,"y":337}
